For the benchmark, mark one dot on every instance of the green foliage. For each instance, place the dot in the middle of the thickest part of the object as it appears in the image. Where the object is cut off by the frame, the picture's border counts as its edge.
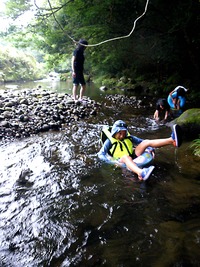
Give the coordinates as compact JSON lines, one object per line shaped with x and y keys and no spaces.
{"x":108,"y":81}
{"x":196,"y":147}
{"x":190,"y":116}
{"x":18,"y":66}
{"x":16,"y":8}
{"x":163,"y":48}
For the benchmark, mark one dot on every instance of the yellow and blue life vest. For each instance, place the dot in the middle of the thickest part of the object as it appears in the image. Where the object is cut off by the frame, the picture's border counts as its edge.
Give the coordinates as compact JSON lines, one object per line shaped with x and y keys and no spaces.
{"x":118,"y":148}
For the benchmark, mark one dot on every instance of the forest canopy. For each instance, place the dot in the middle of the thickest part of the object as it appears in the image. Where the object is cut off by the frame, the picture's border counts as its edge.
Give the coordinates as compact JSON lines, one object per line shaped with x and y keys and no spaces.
{"x":164,"y":47}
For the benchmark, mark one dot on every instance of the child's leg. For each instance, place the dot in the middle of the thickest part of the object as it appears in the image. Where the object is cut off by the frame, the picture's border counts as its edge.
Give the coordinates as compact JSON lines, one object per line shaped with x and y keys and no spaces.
{"x":153,"y":143}
{"x":131,"y":165}
{"x":175,"y":140}
{"x":143,"y":174}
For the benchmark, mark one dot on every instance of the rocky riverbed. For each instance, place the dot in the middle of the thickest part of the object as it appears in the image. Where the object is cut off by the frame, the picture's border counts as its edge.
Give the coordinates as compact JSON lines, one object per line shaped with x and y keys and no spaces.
{"x":30,"y":111}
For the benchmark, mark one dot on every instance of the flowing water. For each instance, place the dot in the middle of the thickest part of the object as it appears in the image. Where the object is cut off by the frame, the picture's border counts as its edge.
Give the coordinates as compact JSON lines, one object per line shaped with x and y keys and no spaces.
{"x":61,"y":206}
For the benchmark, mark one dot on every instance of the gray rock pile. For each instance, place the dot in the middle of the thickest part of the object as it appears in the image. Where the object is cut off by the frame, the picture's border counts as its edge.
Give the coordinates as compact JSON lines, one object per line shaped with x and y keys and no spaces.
{"x":121,"y":100}
{"x":27,"y":112}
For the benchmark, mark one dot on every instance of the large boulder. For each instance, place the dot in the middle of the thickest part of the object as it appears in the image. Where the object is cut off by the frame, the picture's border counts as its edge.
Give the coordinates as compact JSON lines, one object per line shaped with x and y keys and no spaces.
{"x":190,"y":123}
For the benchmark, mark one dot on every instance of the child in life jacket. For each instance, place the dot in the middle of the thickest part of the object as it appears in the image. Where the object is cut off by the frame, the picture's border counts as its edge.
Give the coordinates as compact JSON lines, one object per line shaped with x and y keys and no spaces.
{"x":120,"y":146}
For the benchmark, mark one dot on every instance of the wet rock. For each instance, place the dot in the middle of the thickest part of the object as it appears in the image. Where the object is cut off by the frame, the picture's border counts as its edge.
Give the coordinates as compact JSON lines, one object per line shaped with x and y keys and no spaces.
{"x":7,"y":114}
{"x":93,"y":112}
{"x":24,"y":101}
{"x":9,"y":104}
{"x":24,"y":175}
{"x":45,"y":128}
{"x":28,"y":112}
{"x":4,"y":124}
{"x":190,"y":123}
{"x":103,"y":88}
{"x":23,"y":118}
{"x":13,"y":246}
{"x":125,"y":100}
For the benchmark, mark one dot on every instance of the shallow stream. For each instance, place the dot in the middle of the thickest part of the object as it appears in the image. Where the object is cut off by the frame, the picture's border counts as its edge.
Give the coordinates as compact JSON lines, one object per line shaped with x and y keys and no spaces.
{"x":60,"y":206}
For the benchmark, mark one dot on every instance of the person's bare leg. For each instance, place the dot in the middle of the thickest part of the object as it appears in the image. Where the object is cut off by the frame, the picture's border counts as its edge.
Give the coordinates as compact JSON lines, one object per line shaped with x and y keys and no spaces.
{"x":74,"y":90}
{"x":153,"y":143}
{"x":82,"y":91}
{"x":131,"y":165}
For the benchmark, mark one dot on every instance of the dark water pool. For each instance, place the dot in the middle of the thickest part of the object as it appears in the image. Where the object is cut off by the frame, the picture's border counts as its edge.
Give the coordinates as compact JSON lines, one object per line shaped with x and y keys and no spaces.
{"x":60,"y":206}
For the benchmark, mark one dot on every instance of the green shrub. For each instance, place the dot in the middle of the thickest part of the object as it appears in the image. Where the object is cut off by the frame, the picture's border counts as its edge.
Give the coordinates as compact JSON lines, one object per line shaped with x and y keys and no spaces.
{"x":196,"y":146}
{"x":19,"y":66}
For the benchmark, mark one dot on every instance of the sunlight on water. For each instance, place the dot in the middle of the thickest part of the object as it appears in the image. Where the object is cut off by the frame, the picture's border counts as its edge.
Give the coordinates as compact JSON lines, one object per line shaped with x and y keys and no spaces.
{"x":61,"y":206}
{"x":19,"y":157}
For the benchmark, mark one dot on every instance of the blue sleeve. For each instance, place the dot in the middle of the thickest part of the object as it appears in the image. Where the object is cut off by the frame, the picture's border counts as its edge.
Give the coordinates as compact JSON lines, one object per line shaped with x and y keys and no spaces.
{"x":103,"y":153}
{"x":136,"y":140}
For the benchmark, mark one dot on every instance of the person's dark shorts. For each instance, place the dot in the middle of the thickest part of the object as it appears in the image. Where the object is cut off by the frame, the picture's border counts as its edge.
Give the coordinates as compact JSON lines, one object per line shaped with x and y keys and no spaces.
{"x":79,"y":79}
{"x":133,"y":156}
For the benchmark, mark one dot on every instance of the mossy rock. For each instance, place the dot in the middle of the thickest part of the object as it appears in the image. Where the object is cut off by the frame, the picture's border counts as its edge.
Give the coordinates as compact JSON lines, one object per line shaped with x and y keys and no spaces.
{"x":190,"y":123}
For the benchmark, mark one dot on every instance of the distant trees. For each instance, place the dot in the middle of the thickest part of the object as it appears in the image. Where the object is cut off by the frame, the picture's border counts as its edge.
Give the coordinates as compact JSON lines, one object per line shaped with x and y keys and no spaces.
{"x":16,"y":65}
{"x":163,"y":47}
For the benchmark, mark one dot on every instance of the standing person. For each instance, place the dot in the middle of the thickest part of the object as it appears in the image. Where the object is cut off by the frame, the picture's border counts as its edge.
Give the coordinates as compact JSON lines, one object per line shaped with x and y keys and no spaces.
{"x":120,"y":144}
{"x":77,"y":69}
{"x":176,"y":98}
{"x":162,"y":108}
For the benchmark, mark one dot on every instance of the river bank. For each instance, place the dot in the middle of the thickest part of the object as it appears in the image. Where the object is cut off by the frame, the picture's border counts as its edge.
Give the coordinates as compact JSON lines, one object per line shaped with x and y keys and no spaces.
{"x":27,"y":112}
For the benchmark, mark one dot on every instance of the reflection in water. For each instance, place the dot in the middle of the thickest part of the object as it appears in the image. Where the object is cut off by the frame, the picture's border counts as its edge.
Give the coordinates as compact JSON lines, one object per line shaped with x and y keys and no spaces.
{"x":40,"y":189}
{"x":60,"y":206}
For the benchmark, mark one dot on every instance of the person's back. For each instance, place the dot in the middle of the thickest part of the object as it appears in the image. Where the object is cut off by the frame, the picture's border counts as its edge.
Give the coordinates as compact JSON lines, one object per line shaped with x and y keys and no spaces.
{"x":79,"y":58}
